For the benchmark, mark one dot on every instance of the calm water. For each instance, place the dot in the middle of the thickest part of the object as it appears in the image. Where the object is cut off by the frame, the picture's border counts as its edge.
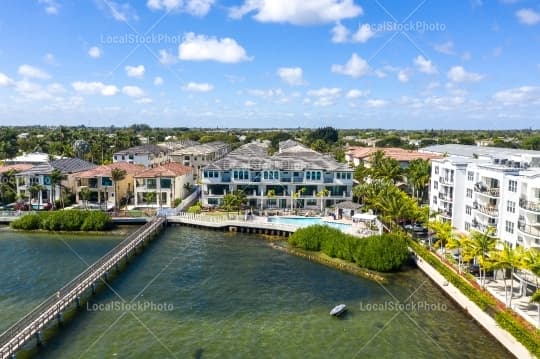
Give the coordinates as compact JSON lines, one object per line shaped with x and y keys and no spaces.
{"x":232,"y":296}
{"x":308,"y":221}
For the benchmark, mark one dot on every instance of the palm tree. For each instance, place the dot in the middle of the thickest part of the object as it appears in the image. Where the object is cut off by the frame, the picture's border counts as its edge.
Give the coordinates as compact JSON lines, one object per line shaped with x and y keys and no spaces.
{"x":478,"y":246}
{"x":456,"y":241}
{"x":56,"y":179}
{"x":117,"y":175}
{"x":34,"y":190}
{"x":507,"y":258}
{"x":361,"y":172}
{"x":321,"y":194}
{"x":442,"y":231}
{"x":85,"y":194}
{"x":418,"y":176}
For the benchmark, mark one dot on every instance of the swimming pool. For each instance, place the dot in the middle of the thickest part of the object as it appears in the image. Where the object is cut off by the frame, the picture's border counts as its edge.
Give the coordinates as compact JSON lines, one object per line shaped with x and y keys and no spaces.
{"x":308,"y":221}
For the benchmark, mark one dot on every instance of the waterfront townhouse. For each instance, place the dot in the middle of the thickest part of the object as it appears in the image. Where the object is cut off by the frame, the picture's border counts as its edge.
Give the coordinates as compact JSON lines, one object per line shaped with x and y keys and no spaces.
{"x":162,"y":185}
{"x":101,"y":186}
{"x":35,"y":183}
{"x":198,"y":156}
{"x":295,"y":177}
{"x":489,"y":190}
{"x":147,"y":155}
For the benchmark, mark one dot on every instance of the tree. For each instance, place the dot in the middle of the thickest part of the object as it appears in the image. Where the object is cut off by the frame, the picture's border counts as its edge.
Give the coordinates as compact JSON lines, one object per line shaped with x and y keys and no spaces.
{"x":507,"y":258}
{"x":150,"y":197}
{"x":477,"y":247}
{"x":34,"y":190}
{"x":56,"y":181}
{"x":8,"y":192}
{"x":234,"y":200}
{"x":321,"y":194}
{"x":442,"y":231}
{"x":361,"y":173}
{"x":84,"y":195}
{"x":117,"y":175}
{"x":418,"y":176}
{"x":327,"y":134}
{"x":456,"y":241}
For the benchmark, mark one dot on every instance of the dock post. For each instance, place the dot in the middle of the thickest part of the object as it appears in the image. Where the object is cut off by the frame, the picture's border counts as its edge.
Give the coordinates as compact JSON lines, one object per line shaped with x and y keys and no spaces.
{"x":93,"y":288}
{"x":39,"y":338}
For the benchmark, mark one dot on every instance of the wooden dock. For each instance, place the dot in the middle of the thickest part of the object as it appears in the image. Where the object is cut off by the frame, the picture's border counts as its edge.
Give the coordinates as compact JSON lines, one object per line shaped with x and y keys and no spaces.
{"x":31,"y":325}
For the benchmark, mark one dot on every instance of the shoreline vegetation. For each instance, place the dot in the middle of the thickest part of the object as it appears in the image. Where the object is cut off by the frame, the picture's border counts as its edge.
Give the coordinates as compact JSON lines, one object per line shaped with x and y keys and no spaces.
{"x":380,"y":253}
{"x":69,"y":221}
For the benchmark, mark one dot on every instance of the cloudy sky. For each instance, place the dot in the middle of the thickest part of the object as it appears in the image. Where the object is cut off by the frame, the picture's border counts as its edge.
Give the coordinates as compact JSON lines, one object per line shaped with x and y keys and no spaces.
{"x":271,"y":63}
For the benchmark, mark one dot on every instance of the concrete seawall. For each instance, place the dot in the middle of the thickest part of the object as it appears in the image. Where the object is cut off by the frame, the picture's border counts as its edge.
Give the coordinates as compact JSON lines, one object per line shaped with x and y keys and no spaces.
{"x":485,"y":320}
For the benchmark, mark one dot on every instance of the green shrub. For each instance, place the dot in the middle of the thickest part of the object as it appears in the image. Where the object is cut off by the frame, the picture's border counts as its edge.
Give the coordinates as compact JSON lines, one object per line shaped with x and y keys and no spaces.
{"x":27,"y":222}
{"x":196,"y":208}
{"x":177,"y":202}
{"x":381,"y":253}
{"x":96,"y":221}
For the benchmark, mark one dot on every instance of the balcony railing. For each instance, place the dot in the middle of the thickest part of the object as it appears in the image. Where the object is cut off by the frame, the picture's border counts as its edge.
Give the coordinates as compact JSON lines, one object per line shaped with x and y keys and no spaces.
{"x":491,"y":192}
{"x":488,"y":210}
{"x":528,"y":229}
{"x":445,"y":197}
{"x":529,"y":205}
{"x":446,"y":214}
{"x":492,"y":230}
{"x":445,"y":180}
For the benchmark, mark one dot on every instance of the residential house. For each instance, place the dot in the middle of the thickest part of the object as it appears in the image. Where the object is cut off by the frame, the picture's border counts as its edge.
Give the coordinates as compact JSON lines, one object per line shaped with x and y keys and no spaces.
{"x":102,"y":188}
{"x":7,"y":181}
{"x":357,"y":155}
{"x":161,"y":185}
{"x":147,"y":155}
{"x":34,"y":158}
{"x":35,"y":182}
{"x":198,"y":156}
{"x":295,"y":177}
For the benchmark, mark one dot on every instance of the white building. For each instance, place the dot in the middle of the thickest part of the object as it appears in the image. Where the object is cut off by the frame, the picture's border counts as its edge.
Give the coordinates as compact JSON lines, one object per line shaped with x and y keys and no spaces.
{"x":497,"y":189}
{"x":147,"y":155}
{"x":198,"y":155}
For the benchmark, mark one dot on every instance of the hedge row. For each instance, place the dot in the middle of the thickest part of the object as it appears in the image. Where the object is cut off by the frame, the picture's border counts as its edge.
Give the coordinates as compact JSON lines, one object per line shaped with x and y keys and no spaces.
{"x":70,"y":220}
{"x":383,"y":253}
{"x":530,"y":338}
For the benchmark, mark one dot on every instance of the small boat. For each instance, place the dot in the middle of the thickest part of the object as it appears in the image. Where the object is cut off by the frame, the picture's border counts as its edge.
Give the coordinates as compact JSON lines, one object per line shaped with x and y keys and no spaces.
{"x":338,"y":310}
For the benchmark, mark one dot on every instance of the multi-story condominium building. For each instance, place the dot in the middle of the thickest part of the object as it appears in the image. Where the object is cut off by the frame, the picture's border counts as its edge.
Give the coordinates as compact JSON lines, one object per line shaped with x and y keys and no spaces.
{"x":102,"y":187}
{"x":161,"y":185}
{"x":199,"y":155}
{"x":147,"y":155}
{"x":489,"y":189}
{"x":295,"y":177}
{"x":35,"y":183}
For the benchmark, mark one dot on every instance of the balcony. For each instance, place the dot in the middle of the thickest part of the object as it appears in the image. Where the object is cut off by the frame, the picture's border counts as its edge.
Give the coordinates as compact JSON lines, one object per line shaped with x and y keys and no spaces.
{"x":493,"y":192}
{"x":446,"y":181}
{"x":491,"y":211}
{"x":484,"y":229}
{"x":445,"y":214}
{"x":529,"y":205}
{"x":529,"y":230}
{"x":445,"y":197}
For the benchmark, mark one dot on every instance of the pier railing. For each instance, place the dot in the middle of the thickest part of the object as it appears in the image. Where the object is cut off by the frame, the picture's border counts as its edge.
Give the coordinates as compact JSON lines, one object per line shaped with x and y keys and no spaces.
{"x":15,"y":337}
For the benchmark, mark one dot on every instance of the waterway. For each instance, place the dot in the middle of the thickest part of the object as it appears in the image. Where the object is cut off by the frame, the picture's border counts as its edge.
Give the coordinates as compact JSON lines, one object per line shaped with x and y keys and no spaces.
{"x":204,"y":294}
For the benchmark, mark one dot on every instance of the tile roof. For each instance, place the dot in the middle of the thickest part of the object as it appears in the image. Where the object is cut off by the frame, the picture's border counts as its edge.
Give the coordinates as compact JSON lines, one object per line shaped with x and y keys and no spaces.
{"x":105,"y":170}
{"x":16,"y":167}
{"x":65,"y":165}
{"x":172,"y":169}
{"x":398,"y":154}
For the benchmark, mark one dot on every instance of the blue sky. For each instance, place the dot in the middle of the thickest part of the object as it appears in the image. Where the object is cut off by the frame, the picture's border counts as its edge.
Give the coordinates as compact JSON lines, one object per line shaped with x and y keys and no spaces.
{"x":271,"y":63}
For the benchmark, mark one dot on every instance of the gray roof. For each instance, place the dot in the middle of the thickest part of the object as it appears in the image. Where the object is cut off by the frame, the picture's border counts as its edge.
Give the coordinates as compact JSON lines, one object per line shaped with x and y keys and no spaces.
{"x":143,"y":149}
{"x":470,"y":150}
{"x":64,"y":165}
{"x":201,"y":149}
{"x":298,"y":158}
{"x":348,"y":205}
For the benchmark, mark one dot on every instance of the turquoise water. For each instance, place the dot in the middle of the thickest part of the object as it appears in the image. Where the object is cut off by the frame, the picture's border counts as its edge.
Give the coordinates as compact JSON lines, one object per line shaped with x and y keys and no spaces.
{"x":308,"y":221}
{"x":233,"y":296}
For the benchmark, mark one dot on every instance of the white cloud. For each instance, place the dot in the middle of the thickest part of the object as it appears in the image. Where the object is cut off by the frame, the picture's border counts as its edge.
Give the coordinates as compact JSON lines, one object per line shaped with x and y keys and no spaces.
{"x":340,"y":33}
{"x":249,"y":103}
{"x":298,"y":12}
{"x":445,"y":48}
{"x":135,"y":71}
{"x":459,"y":74}
{"x":355,"y":93}
{"x":375,"y":103}
{"x":51,"y":6}
{"x":144,"y":100}
{"x":28,"y":71}
{"x":528,"y":16}
{"x":166,"y":58}
{"x":204,"y":48}
{"x":363,"y":34}
{"x":355,"y":67}
{"x":119,"y":12}
{"x":132,"y":91}
{"x":192,"y":7}
{"x":520,"y":95}
{"x":270,"y":93}
{"x":291,"y":75}
{"x":403,"y":75}
{"x":94,"y":52}
{"x":158,"y":81}
{"x":95,"y":88}
{"x":424,"y":65}
{"x":50,"y":59}
{"x":198,"y":87}
{"x":324,"y":96}
{"x":32,"y":91}
{"x":5,"y":80}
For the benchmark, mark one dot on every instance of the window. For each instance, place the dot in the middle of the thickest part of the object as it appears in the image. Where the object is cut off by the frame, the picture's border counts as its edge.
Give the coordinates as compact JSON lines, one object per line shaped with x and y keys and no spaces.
{"x":467,"y":226}
{"x":435,"y":185}
{"x":468,"y":210}
{"x":436,"y":170}
{"x":435,"y":199}
{"x":512,"y":186}
{"x":271,"y":175}
{"x":511,"y":206}
{"x":470,"y":176}
{"x":469,"y":193}
{"x":509,"y":227}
